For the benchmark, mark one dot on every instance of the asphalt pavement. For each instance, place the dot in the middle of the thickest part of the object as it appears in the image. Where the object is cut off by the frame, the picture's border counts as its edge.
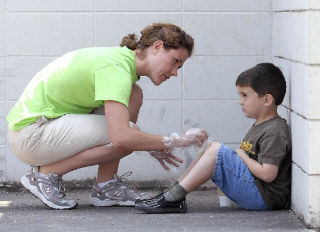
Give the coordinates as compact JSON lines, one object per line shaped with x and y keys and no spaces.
{"x":21,"y":211}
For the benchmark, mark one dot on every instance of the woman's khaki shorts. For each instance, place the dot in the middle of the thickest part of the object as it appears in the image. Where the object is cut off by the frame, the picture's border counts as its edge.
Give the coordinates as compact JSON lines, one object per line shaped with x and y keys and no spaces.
{"x":50,"y":140}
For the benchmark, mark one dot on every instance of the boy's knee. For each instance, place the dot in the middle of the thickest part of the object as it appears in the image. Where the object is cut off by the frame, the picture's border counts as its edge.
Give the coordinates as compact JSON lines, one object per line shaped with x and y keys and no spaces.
{"x":213,"y":148}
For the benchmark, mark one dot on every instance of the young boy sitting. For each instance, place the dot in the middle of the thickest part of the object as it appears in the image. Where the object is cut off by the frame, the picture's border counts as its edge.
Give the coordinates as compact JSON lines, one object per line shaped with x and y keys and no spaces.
{"x":257,"y":176}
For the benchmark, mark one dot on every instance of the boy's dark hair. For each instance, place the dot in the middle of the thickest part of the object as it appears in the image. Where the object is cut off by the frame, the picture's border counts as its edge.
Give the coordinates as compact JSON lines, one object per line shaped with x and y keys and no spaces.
{"x":264,"y":78}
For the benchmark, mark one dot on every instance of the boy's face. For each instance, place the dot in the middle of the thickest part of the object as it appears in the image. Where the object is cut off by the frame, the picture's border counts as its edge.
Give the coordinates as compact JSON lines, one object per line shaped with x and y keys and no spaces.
{"x":252,"y":105}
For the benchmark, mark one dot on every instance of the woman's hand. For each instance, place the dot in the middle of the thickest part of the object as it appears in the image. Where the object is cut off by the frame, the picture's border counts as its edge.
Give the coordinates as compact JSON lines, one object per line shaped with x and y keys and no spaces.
{"x":193,"y":135}
{"x":165,"y":158}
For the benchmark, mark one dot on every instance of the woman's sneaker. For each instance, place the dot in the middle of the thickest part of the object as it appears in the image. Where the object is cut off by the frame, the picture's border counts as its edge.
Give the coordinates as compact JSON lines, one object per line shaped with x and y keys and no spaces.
{"x":49,"y":189}
{"x":115,"y":193}
{"x":160,"y":205}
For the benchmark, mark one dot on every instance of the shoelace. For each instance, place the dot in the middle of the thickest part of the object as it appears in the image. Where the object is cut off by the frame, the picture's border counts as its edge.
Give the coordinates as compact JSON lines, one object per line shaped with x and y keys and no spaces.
{"x":58,"y":183}
{"x":124,"y":180}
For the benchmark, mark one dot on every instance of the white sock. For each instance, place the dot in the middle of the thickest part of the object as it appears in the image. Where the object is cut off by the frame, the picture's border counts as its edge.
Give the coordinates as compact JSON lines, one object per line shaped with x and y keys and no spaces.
{"x":43,"y":175}
{"x":101,"y":185}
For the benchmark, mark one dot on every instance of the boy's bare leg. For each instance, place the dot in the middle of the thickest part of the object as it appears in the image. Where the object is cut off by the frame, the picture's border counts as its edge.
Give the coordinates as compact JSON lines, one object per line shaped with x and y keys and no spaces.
{"x":202,"y":169}
{"x":190,"y":167}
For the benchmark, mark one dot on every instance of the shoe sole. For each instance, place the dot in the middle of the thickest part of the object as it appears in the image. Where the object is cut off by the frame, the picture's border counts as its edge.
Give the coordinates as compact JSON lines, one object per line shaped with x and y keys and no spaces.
{"x":160,"y":210}
{"x":34,"y":190}
{"x":96,"y":202}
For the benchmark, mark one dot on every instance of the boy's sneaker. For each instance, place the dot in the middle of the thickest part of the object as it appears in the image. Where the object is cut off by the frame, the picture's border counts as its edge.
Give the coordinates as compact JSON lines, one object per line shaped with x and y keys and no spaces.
{"x":151,"y":199}
{"x":115,"y":193}
{"x":160,"y":205}
{"x":49,"y":189}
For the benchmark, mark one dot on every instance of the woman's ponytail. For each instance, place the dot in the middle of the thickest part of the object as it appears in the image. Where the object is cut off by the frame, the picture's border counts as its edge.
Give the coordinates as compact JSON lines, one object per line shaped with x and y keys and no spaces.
{"x":129,"y":41}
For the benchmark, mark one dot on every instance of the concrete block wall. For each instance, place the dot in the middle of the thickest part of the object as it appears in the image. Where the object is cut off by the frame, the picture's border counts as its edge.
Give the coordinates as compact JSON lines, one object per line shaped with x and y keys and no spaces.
{"x":296,"y":50}
{"x":230,"y":36}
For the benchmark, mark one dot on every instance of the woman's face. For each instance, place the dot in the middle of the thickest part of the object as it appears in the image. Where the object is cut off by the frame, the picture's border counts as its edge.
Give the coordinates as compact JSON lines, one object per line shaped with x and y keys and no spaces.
{"x":164,"y":63}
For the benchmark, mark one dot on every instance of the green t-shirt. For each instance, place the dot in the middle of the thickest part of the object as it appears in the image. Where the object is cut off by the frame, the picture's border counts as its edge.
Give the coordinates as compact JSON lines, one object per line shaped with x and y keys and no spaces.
{"x":76,"y":83}
{"x":270,"y":142}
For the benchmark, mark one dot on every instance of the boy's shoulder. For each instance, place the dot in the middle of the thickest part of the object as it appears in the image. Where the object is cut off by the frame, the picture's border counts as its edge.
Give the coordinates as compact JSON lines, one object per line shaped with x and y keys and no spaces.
{"x":274,"y":127}
{"x":277,"y":122}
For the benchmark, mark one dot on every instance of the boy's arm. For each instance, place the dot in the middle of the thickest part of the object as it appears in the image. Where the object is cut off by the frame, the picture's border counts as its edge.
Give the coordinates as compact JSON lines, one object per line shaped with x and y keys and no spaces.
{"x":266,"y":172}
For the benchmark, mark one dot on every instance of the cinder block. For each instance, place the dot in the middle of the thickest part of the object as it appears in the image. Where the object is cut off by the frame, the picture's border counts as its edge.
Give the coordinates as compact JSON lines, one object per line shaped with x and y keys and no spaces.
{"x":314,"y":4}
{"x":47,"y":5}
{"x":227,"y":5}
{"x":289,"y":5}
{"x":14,"y":167}
{"x":300,"y":142}
{"x":305,"y":145}
{"x":9,"y":106}
{"x":284,"y":66}
{"x":214,"y":77}
{"x":154,"y":172}
{"x":223,"y":119}
{"x":2,"y":164}
{"x":3,"y":134}
{"x":314,"y":36}
{"x":2,"y":29}
{"x":2,"y":78}
{"x":20,"y":71}
{"x":298,"y":43}
{"x":284,"y":113}
{"x":295,"y":5}
{"x":314,"y":146}
{"x":300,"y":191}
{"x":299,"y":88}
{"x":48,"y":34}
{"x":2,"y":109}
{"x":313,"y":93}
{"x":82,"y":174}
{"x":170,"y":89}
{"x":138,"y":5}
{"x":230,"y":34}
{"x":2,"y":7}
{"x":302,"y":87}
{"x":306,"y":197}
{"x":288,"y":41}
{"x":111,"y":28}
{"x":160,"y":116}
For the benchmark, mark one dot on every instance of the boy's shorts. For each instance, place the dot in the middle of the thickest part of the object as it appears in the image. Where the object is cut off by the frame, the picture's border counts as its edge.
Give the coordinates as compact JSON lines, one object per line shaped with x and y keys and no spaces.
{"x":235,"y":180}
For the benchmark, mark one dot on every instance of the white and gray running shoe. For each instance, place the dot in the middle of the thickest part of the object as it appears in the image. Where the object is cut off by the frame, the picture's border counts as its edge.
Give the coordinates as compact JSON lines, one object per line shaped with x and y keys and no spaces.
{"x":115,"y":193}
{"x":49,"y":189}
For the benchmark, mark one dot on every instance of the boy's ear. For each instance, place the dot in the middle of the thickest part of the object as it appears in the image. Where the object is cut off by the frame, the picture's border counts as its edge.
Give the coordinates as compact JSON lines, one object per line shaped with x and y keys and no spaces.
{"x":268,"y":99}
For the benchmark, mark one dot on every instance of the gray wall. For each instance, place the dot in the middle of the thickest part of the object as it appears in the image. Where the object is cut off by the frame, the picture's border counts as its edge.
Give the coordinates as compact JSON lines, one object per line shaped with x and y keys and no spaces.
{"x":296,"y":36}
{"x":230,"y":36}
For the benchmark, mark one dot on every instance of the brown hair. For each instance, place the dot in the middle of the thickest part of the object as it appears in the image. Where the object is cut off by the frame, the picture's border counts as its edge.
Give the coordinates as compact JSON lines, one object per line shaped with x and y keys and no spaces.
{"x":171,"y":35}
{"x":264,"y":78}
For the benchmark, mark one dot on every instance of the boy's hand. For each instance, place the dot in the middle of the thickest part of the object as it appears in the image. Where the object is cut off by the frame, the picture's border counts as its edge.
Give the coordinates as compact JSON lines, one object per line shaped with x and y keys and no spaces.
{"x":165,"y":157}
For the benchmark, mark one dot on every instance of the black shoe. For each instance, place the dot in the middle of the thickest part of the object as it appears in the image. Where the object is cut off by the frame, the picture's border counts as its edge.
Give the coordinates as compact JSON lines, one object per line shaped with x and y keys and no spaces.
{"x":147,"y":200}
{"x":161,"y":205}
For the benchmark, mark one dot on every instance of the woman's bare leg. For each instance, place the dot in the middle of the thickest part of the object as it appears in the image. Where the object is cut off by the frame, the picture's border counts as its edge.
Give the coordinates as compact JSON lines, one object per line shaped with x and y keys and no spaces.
{"x":107,"y":157}
{"x":89,"y":157}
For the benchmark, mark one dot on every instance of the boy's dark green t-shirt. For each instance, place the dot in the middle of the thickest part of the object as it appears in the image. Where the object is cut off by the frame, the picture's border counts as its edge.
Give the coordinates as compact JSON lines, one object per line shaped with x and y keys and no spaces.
{"x":270,"y":142}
